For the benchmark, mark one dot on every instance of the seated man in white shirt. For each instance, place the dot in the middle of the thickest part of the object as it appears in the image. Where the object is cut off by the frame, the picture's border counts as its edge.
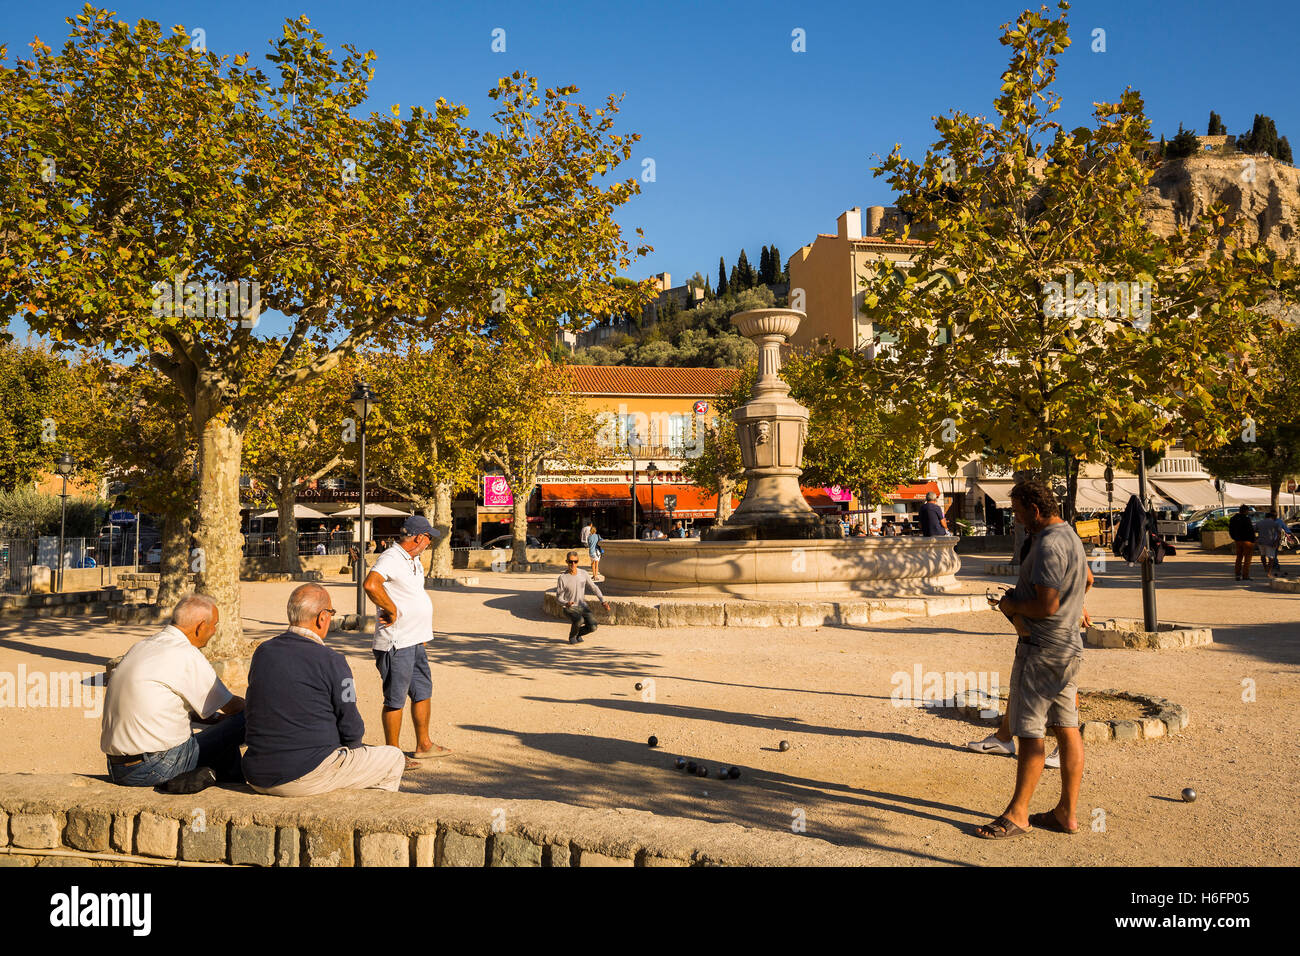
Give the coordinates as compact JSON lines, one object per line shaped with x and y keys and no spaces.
{"x":151,"y":694}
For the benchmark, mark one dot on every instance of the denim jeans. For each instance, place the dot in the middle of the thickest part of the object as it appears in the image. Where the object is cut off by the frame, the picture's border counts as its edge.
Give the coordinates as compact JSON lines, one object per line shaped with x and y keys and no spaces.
{"x":216,"y":747}
{"x":581,"y":621}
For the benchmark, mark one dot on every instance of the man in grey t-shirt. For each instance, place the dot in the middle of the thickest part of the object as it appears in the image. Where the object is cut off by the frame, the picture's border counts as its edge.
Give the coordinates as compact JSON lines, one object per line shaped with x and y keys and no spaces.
{"x":1044,"y":678}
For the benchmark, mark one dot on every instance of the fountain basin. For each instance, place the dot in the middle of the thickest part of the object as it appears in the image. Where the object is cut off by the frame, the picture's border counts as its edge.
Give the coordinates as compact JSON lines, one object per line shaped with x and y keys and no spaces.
{"x":781,"y":570}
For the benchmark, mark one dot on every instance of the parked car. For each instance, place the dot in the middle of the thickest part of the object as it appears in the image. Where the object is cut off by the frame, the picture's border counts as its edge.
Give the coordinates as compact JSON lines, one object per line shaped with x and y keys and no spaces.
{"x":505,"y":541}
{"x":153,"y":555}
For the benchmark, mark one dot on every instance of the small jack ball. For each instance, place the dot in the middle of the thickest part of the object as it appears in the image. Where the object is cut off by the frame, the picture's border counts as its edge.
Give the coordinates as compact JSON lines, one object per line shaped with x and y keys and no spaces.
{"x":783,"y":746}
{"x":1189,"y":795}
{"x":653,"y":741}
{"x":638,"y":685}
{"x":733,"y":773}
{"x":681,"y":763}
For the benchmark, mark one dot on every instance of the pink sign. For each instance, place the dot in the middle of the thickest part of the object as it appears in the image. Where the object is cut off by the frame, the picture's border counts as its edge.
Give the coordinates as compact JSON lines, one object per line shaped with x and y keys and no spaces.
{"x":496,"y":492}
{"x":836,"y":493}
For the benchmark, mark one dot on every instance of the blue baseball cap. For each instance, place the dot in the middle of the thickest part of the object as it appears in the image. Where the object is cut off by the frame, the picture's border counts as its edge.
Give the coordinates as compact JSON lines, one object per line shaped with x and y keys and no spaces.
{"x":418,"y":524}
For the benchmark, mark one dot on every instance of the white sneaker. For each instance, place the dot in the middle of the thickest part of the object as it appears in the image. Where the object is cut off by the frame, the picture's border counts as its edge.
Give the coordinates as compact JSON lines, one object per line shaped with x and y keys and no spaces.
{"x":991,"y":745}
{"x":1053,"y":760}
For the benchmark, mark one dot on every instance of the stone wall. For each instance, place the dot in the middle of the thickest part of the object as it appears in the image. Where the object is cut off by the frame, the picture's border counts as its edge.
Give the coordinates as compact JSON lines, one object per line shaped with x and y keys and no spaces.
{"x":63,"y":819}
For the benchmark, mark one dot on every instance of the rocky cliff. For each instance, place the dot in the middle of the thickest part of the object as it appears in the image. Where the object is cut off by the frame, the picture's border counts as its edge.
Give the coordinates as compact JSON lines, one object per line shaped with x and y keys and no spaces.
{"x":1263,"y":192}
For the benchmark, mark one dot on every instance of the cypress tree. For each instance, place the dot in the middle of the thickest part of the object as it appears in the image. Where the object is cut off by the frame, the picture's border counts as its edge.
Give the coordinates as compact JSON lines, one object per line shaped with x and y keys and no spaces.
{"x":722,"y":276}
{"x":1215,"y":127}
{"x":764,"y":268}
{"x":735,"y":285}
{"x":778,"y":267}
{"x":746,"y":272}
{"x":1284,"y":151}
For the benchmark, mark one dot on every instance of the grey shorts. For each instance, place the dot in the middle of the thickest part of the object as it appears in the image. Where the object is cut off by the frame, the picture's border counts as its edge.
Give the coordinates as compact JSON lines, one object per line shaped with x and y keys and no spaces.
{"x":405,"y":673}
{"x":1044,"y":682}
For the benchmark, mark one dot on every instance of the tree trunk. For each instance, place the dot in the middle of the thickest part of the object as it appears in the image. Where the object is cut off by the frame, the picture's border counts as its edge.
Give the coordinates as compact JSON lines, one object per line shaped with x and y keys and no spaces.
{"x":1071,"y":488}
{"x":220,"y":551}
{"x":440,"y":561}
{"x":174,"y":572}
{"x":519,"y":528}
{"x":726,"y":487}
{"x":287,"y":524}
{"x":1275,"y":494}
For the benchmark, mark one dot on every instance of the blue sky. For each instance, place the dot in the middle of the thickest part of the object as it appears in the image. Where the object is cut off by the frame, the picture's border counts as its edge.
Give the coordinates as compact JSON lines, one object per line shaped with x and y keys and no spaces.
{"x":754,"y":143}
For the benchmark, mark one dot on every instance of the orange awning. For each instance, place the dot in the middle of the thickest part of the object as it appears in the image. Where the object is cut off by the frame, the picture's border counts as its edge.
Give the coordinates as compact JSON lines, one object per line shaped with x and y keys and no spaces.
{"x":692,"y":502}
{"x":914,"y":492}
{"x":585,"y":496}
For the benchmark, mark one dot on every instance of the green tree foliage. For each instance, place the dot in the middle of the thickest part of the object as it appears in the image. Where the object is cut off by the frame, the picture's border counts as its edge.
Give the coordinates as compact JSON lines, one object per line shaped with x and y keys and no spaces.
{"x":765,"y":267}
{"x":1183,"y":145}
{"x":1036,"y":209}
{"x":719,"y":468}
{"x":1215,"y":126}
{"x":37,"y":388}
{"x":777,"y":266}
{"x":746,"y":277}
{"x":132,"y":161}
{"x":868,"y":454}
{"x":28,"y":514}
{"x":1275,"y":416}
{"x":723,"y":287}
{"x":435,"y":417}
{"x":1263,"y":138}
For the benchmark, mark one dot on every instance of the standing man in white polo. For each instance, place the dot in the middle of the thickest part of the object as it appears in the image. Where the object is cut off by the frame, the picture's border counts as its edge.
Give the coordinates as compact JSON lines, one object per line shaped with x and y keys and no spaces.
{"x":403,"y":625}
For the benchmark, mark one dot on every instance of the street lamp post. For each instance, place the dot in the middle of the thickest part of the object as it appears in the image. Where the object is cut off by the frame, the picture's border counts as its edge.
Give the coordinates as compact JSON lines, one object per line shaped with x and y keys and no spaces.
{"x":651,"y":470}
{"x":633,"y":448}
{"x":363,"y":400}
{"x":65,"y":467}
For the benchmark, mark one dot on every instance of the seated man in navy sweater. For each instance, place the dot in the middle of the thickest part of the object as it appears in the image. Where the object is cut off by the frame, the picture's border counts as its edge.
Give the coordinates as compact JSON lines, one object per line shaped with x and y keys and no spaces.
{"x":303,"y":727}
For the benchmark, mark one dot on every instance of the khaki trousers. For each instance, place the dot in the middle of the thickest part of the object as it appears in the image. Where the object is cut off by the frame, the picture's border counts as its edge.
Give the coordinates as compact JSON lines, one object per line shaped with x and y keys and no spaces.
{"x":365,"y":767}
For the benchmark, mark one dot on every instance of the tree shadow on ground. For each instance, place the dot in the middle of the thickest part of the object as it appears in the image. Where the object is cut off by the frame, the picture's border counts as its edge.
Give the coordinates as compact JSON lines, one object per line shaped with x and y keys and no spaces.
{"x":757,"y":721}
{"x":606,"y":772}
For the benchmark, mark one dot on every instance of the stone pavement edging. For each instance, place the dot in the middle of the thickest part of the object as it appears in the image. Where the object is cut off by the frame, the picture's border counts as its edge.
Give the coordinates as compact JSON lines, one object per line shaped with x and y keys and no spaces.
{"x":1170,"y":718}
{"x":1127,"y":633}
{"x":743,"y":612}
{"x":1285,"y":584}
{"x":68,"y":813}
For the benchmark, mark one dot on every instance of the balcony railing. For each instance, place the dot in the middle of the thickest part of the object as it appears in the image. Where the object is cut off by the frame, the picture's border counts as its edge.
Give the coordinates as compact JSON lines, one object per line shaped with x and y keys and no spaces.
{"x":682,"y":450}
{"x":1183,"y":466}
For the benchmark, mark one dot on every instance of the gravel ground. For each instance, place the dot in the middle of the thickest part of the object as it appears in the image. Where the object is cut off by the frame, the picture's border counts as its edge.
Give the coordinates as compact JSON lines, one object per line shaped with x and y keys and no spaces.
{"x":530,"y":716}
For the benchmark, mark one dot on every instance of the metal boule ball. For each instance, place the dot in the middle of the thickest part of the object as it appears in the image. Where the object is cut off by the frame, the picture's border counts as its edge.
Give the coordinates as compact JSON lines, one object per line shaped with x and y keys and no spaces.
{"x":783,"y":746}
{"x":722,"y":773}
{"x":680,"y":763}
{"x":701,"y":771}
{"x":733,"y":773}
{"x":691,"y":766}
{"x":1188,"y":794}
{"x":653,"y":741}
{"x":638,"y":685}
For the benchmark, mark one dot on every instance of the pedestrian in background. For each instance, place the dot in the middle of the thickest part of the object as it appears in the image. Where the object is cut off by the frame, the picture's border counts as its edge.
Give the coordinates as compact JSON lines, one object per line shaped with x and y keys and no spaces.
{"x":1242,"y":531}
{"x":594,"y":551}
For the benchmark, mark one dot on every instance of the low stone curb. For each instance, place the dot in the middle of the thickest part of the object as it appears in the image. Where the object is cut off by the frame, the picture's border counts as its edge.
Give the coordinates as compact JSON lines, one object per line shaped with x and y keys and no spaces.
{"x":348,"y":623}
{"x":738,"y":612}
{"x":1125,"y":633}
{"x":1170,"y":718}
{"x":1002,"y":570}
{"x":67,"y":604}
{"x":1285,"y":584}
{"x":451,"y":583}
{"x":373,"y":828}
{"x":264,"y":576}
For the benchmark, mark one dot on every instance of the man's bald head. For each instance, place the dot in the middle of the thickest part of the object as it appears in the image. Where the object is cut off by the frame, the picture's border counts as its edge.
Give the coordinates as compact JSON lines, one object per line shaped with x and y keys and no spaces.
{"x":196,"y":615}
{"x":306,"y":603}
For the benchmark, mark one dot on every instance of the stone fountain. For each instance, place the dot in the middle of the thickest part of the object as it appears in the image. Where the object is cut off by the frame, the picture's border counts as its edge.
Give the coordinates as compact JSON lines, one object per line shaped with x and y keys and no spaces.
{"x":775,"y":547}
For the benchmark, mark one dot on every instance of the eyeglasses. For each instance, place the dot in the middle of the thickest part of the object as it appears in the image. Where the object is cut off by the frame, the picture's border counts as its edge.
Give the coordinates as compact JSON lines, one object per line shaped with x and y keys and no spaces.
{"x":573,"y":562}
{"x":329,"y":610}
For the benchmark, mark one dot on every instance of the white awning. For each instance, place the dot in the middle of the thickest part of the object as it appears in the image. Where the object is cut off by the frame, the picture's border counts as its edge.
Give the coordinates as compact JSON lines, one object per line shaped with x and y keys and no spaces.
{"x":372,"y":511}
{"x":299,"y":511}
{"x":1092,"y":494}
{"x":1235,"y":494}
{"x":1190,"y":493}
{"x":999,"y":491}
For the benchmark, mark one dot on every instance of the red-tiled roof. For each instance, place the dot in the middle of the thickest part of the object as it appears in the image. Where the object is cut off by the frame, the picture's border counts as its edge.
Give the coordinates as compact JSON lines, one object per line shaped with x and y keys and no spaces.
{"x":643,"y":380}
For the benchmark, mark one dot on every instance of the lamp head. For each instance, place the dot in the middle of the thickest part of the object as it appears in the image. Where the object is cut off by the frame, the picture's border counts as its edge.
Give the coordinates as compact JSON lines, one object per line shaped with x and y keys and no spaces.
{"x":65,"y":465}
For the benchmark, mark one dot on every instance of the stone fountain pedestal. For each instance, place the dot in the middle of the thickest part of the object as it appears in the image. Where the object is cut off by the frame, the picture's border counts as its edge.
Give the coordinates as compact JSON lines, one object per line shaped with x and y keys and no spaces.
{"x":775,"y":547}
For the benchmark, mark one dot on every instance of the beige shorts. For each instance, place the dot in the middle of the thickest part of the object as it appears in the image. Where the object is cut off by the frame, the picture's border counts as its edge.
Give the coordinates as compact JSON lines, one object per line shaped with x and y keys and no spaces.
{"x":359,"y":768}
{"x":1044,"y":683}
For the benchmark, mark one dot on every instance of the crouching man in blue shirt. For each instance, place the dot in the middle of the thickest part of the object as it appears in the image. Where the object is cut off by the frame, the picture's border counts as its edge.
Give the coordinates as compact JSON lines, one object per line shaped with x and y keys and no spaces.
{"x":303,"y":727}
